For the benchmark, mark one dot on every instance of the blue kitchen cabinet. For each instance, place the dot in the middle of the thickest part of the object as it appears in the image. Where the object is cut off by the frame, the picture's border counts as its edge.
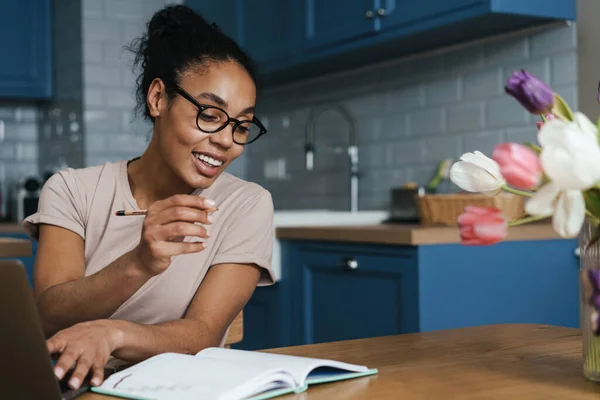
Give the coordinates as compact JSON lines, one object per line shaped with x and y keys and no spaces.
{"x":333,"y":22}
{"x":395,"y":13}
{"x":346,"y":291}
{"x":267,"y":29}
{"x":298,"y":39}
{"x":27,"y":261}
{"x":349,"y":292}
{"x":25,"y":43}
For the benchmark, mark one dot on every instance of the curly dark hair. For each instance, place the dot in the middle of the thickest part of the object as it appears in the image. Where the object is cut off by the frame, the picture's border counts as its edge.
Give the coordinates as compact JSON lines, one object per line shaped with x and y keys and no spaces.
{"x":178,"y":38}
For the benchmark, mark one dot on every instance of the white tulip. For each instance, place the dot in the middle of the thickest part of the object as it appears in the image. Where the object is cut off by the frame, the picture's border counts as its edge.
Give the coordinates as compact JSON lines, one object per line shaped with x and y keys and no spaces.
{"x":570,"y":155}
{"x":568,"y":207}
{"x":476,"y":172}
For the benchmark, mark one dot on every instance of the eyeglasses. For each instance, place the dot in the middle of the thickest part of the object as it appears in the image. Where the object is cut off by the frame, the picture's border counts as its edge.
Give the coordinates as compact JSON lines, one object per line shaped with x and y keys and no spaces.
{"x":211,"y":119}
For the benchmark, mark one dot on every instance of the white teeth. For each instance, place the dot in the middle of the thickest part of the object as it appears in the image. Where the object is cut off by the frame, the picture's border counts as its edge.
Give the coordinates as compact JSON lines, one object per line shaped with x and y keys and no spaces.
{"x":209,"y":160}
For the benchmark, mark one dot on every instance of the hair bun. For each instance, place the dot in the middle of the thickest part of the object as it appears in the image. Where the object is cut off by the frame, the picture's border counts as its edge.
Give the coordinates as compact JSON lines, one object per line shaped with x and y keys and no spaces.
{"x":175,"y":19}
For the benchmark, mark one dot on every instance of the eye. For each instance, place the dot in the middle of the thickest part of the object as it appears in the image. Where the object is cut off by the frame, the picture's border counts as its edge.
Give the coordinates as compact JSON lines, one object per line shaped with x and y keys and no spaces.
{"x":242,"y":129}
{"x":212,"y":115}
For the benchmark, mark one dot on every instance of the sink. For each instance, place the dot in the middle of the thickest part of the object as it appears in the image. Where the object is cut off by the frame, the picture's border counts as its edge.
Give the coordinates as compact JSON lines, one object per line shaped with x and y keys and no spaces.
{"x":319,"y":218}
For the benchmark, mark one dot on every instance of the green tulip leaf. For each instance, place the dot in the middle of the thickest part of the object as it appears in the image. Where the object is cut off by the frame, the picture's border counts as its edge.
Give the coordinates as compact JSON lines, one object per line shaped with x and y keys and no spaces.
{"x":592,"y":201}
{"x":537,"y":149}
{"x":562,"y":108}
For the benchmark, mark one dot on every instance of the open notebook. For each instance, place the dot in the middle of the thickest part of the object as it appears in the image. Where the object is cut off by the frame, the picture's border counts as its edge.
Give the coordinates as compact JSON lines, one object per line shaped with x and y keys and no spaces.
{"x":225,"y":374}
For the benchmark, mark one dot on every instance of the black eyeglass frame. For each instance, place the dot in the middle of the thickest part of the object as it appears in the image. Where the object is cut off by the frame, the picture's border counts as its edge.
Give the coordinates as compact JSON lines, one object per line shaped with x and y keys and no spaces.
{"x":237,"y":122}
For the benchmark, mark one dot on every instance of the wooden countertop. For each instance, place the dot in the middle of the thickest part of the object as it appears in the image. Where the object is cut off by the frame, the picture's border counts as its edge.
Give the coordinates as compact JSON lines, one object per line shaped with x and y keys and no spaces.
{"x":11,"y":228}
{"x":10,"y":247}
{"x":403,"y":234}
{"x":490,"y":362}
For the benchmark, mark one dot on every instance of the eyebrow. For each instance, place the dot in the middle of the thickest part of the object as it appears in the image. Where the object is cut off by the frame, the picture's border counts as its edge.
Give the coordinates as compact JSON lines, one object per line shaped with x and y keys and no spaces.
{"x":218,"y":100}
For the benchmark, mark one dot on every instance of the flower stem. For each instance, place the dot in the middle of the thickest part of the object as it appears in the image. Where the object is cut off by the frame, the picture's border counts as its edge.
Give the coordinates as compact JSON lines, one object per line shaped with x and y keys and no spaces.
{"x":516,"y":191}
{"x":526,"y":220}
{"x":560,"y":115}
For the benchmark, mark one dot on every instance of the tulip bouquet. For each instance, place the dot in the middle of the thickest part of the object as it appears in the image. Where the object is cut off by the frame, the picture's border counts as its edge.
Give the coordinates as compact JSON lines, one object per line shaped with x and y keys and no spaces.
{"x":559,"y":175}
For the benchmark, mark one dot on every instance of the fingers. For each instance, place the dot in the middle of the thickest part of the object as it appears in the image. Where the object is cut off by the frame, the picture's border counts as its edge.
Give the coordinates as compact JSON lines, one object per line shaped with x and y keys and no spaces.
{"x":97,"y":373}
{"x":185,"y":200}
{"x":182,"y":213}
{"x":169,"y":249}
{"x":181,"y":229}
{"x":66,"y":360}
{"x":84,"y":363}
{"x":55,"y":344}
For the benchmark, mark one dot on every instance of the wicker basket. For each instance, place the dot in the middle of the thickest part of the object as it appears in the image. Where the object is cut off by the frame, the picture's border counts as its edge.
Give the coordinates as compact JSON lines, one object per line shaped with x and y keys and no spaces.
{"x":444,"y":209}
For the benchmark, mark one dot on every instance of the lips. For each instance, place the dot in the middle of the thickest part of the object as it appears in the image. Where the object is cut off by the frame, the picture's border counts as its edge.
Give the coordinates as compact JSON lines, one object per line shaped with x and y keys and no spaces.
{"x":208,"y":164}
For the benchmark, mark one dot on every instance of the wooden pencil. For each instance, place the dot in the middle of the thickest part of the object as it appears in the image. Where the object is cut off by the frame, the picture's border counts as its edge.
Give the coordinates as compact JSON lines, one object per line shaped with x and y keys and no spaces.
{"x":125,"y":213}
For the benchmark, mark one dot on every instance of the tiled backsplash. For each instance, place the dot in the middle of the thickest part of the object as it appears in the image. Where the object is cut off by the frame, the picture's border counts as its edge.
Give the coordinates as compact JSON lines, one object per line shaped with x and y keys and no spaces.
{"x":410,"y":114}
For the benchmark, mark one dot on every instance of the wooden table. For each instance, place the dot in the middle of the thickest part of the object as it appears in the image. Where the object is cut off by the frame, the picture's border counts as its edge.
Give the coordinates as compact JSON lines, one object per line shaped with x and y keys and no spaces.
{"x":483,"y":363}
{"x":10,"y":247}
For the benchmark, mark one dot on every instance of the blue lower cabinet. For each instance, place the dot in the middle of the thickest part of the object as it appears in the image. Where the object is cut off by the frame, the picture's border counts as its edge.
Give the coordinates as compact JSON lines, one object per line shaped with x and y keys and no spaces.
{"x":512,"y":282}
{"x":27,"y":261}
{"x":348,"y":292}
{"x":339,"y":291}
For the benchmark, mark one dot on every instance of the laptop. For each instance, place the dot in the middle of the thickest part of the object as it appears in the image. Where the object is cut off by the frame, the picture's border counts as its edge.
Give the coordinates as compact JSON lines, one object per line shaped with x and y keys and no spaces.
{"x":27,"y":371}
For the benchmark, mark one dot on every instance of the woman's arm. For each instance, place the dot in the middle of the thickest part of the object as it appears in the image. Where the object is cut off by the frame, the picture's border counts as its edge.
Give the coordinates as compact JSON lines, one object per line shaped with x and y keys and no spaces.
{"x":219,"y":299}
{"x":223,"y":293}
{"x":64,"y":296}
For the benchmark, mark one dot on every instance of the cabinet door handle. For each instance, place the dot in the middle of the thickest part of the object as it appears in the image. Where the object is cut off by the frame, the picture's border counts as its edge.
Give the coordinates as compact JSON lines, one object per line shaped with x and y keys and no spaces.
{"x":369,"y":14}
{"x":350,"y":263}
{"x":382,"y":12}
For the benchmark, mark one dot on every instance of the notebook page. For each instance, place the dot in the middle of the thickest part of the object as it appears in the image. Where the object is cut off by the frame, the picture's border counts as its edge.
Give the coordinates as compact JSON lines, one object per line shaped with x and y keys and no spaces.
{"x":177,"y":376}
{"x":299,"y":367}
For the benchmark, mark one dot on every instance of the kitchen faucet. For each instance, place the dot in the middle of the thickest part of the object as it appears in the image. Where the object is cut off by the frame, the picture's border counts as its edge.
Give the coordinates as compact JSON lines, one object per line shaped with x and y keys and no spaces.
{"x":309,"y":146}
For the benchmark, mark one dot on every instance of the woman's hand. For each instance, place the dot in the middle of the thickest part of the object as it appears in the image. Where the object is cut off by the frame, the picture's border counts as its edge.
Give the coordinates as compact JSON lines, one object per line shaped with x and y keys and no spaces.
{"x":87,"y":346}
{"x":167,"y":222}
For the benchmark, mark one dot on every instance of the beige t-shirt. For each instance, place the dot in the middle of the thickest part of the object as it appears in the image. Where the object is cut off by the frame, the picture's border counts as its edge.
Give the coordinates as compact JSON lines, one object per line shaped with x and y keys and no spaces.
{"x":85,"y":200}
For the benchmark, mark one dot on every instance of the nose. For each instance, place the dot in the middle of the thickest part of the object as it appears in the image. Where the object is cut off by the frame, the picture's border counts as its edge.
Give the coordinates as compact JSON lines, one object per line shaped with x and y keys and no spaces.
{"x":224,"y":137}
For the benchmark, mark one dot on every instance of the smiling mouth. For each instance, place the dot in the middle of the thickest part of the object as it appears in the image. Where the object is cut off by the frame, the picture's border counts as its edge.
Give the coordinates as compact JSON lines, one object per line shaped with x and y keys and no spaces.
{"x":211,"y":162}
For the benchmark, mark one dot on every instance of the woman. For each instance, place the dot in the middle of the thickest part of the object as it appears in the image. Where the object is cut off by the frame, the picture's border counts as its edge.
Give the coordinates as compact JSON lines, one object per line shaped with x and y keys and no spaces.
{"x":174,"y":279}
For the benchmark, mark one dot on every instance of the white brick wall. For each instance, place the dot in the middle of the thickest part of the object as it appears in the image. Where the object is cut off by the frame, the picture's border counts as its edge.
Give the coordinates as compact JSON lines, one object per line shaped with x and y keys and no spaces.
{"x":112,"y":131}
{"x":411,"y":114}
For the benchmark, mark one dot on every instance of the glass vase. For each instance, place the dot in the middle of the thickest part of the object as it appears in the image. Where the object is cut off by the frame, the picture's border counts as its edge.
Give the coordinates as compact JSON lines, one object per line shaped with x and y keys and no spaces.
{"x":590,"y":302}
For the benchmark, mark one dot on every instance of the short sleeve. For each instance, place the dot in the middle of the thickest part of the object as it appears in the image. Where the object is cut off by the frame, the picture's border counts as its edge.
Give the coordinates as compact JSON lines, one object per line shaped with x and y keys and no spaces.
{"x":249,"y":238}
{"x":61,"y":203}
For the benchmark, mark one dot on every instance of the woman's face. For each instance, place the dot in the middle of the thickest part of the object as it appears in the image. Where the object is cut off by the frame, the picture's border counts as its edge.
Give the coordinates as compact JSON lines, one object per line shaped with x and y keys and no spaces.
{"x":195,"y":156}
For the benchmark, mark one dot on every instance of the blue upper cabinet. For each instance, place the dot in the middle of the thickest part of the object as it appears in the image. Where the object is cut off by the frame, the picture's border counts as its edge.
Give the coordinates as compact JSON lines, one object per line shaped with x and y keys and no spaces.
{"x":296,"y":39}
{"x":267,"y":28}
{"x":25,"y":43}
{"x":395,"y":13}
{"x":336,"y":21}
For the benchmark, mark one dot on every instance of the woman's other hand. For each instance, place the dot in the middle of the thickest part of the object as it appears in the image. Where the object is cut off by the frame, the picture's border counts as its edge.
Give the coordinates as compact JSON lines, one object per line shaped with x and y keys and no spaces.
{"x":87,"y":346}
{"x":167,"y":222}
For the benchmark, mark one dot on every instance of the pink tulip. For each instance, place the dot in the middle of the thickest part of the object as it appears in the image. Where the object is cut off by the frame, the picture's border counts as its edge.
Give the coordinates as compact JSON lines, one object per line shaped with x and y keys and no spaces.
{"x":519,"y":165}
{"x":482,"y":226}
{"x":549,"y":117}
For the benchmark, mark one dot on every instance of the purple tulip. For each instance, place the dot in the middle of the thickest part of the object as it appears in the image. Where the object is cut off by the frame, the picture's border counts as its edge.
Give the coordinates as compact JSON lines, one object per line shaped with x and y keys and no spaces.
{"x":595,"y":323}
{"x":594,"y":277}
{"x":532,"y":93}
